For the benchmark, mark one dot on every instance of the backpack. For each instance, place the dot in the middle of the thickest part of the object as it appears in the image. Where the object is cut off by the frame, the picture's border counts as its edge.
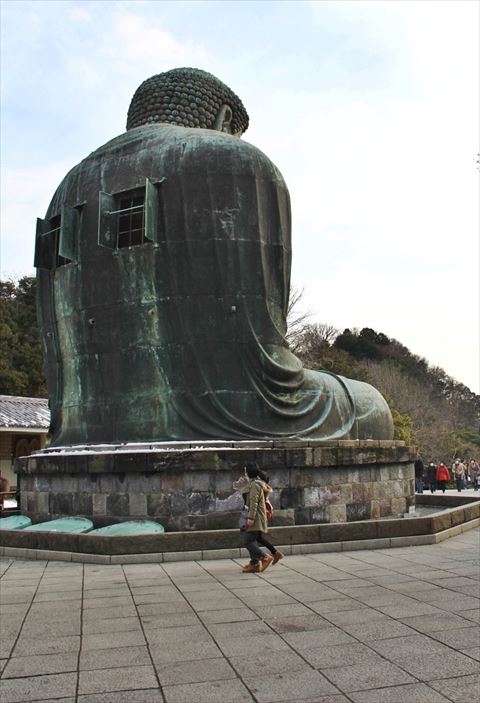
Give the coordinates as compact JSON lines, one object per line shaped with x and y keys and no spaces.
{"x":268,"y":509}
{"x":268,"y":505}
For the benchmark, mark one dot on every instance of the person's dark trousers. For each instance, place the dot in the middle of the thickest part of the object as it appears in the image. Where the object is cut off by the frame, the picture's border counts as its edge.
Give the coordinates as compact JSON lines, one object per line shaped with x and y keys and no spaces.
{"x":419,"y":484}
{"x":459,"y":482}
{"x":433,"y":486}
{"x":441,"y":485}
{"x":251,"y":541}
{"x":261,"y":539}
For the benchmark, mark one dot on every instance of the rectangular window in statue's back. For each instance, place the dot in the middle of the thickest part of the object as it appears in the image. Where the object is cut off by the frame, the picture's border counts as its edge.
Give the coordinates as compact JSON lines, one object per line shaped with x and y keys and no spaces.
{"x":57,"y":239}
{"x":129,"y":218}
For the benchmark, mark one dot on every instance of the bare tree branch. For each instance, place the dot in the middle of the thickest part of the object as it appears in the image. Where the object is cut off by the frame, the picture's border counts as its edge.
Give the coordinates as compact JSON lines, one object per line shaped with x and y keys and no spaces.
{"x":297,"y":320}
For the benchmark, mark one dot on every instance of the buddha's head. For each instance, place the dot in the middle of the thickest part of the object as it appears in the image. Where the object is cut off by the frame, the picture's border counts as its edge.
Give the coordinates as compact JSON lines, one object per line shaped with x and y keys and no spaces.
{"x":188,"y":97}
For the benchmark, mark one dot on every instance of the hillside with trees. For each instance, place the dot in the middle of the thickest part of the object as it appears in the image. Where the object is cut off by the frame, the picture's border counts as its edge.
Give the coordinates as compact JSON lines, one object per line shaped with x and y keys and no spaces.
{"x":431,"y":410}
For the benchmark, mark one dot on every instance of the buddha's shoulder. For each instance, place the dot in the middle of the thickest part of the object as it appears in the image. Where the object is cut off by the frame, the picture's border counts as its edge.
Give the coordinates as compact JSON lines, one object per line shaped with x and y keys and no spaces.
{"x":187,"y":150}
{"x":215,"y":151}
{"x":185,"y":145}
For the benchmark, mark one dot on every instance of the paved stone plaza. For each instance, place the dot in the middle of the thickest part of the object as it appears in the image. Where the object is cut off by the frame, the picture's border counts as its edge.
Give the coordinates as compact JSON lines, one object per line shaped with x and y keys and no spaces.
{"x":382,"y":626}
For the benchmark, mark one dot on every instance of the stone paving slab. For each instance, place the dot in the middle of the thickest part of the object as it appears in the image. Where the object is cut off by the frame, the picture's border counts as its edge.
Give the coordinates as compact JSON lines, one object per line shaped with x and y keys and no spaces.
{"x":341,"y":655}
{"x":154,"y":622}
{"x":459,"y":689}
{"x":117,"y":640}
{"x":252,"y":646}
{"x":382,"y":626}
{"x":463,"y":638}
{"x":183,"y":651}
{"x":171,"y":636}
{"x":26,"y":645}
{"x":252,"y":666}
{"x":96,"y":627}
{"x":230,"y":615}
{"x":473,"y":614}
{"x":358,"y":677}
{"x":23,"y":690}
{"x":413,"y":693}
{"x":106,"y":613}
{"x":377,"y":629}
{"x":117,"y":679}
{"x":41,"y":664}
{"x":291,"y":685}
{"x":473,"y":652}
{"x":233,"y":691}
{"x":151,"y":695}
{"x":195,"y":671}
{"x":325,"y":637}
{"x":114,"y":657}
{"x":438,"y":622}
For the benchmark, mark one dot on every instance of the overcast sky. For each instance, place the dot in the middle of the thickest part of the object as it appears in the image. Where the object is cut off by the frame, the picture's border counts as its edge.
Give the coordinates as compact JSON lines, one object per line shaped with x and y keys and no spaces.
{"x":369,"y":109}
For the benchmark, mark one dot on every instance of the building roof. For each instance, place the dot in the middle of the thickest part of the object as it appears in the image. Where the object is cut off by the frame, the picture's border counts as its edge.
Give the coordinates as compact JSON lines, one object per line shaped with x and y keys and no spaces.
{"x":25,"y":413}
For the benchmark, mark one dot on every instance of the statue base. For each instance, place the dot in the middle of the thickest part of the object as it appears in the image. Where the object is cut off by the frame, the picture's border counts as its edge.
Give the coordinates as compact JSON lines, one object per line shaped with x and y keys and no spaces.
{"x":188,"y":485}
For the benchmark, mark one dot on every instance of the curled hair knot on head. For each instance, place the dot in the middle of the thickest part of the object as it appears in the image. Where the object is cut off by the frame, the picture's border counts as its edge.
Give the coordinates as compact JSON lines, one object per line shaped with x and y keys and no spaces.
{"x":187,"y":97}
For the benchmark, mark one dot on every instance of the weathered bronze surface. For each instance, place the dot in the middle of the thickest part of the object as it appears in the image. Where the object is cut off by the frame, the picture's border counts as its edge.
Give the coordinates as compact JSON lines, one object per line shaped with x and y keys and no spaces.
{"x":181,"y":336}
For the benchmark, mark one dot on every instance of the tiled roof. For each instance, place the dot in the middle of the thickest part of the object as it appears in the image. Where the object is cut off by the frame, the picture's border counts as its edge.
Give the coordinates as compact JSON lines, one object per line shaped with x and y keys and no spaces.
{"x":24,"y":412}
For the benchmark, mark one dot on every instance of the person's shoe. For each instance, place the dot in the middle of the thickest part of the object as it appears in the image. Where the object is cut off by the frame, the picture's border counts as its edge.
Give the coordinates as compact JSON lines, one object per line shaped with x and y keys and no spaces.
{"x":277,"y":556}
{"x":265,"y":562}
{"x":252,"y":569}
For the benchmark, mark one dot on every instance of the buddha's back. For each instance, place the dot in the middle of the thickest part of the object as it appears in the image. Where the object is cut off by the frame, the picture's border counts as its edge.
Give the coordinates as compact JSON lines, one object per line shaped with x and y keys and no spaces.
{"x":163,"y":297}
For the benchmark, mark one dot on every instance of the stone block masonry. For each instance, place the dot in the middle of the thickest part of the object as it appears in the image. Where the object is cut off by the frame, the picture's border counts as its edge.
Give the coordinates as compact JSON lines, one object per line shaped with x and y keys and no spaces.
{"x":189,"y":487}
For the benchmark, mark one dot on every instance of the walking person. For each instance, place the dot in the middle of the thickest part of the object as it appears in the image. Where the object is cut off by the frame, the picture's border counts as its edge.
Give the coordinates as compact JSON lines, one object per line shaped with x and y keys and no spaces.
{"x":443,"y":476}
{"x":458,"y":471}
{"x":419,"y":467}
{"x":473,"y":471}
{"x":255,"y":491}
{"x":432,"y":477}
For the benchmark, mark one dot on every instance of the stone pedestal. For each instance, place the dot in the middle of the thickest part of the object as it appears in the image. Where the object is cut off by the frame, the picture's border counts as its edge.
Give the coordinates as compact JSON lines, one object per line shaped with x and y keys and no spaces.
{"x":188,"y":486}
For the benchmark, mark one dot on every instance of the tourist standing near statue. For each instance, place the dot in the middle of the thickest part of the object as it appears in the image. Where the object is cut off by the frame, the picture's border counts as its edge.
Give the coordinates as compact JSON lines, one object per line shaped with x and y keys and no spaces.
{"x":473,"y":471}
{"x":432,"y":477}
{"x":254,"y":491}
{"x":419,"y":467}
{"x":443,"y":476}
{"x":458,"y":471}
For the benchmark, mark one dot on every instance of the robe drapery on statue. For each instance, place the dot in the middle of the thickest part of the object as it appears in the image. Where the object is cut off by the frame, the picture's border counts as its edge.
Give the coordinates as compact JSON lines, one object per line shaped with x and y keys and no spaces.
{"x":182,"y":336}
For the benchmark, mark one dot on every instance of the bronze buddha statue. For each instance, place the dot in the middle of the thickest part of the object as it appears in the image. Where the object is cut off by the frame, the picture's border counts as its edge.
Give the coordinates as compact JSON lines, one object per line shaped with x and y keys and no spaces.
{"x":164,"y":274}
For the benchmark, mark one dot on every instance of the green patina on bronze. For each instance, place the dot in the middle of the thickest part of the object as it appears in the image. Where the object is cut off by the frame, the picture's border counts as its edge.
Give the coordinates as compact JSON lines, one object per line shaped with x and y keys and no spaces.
{"x":181,"y":337}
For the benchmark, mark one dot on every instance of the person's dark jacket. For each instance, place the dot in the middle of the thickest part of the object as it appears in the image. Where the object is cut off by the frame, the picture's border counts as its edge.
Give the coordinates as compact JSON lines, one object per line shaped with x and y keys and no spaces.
{"x":419,"y":468}
{"x":432,"y":473}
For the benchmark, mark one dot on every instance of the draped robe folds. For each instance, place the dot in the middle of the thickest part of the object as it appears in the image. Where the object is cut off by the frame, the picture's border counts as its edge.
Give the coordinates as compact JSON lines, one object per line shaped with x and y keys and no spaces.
{"x":183,"y":338}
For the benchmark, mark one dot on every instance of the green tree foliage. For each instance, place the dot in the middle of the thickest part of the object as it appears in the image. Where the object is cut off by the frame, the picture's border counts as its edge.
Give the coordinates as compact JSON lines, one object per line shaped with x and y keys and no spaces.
{"x":316,"y":346}
{"x":21,"y":365}
{"x":470,"y":437}
{"x":366,"y":344}
{"x":402,"y":426}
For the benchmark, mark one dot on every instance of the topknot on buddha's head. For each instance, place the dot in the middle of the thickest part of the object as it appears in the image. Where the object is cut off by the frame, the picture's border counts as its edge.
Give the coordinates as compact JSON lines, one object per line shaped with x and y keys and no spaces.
{"x":187,"y":97}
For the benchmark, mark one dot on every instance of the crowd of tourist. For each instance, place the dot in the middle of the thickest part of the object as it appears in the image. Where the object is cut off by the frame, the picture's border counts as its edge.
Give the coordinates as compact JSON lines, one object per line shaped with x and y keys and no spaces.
{"x":436,"y":476}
